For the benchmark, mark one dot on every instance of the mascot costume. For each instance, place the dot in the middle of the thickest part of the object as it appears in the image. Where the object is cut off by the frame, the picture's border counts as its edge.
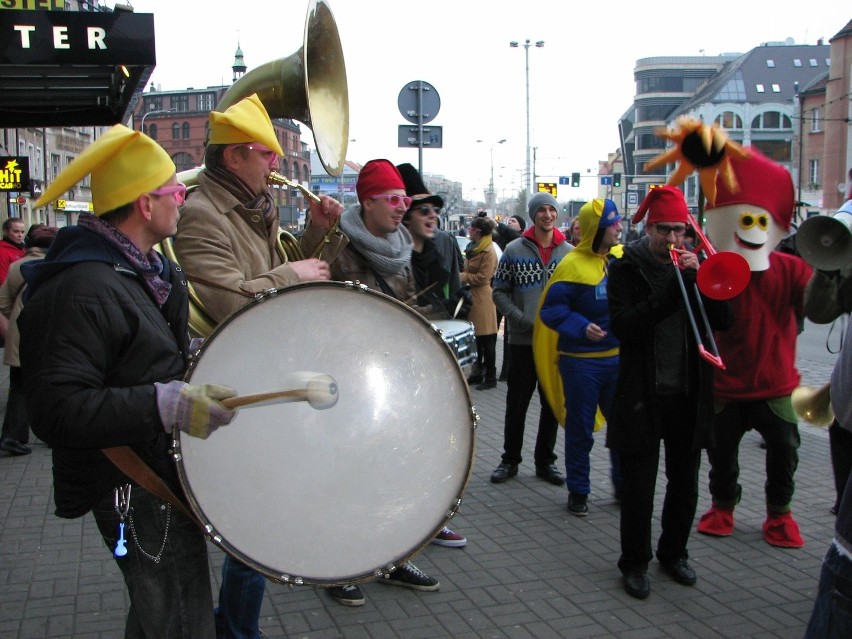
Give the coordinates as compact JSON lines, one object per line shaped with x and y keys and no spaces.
{"x":760,"y":348}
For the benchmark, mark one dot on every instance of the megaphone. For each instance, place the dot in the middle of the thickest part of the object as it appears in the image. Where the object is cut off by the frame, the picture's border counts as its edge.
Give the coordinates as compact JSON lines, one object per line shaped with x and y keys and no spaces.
{"x":825,"y":241}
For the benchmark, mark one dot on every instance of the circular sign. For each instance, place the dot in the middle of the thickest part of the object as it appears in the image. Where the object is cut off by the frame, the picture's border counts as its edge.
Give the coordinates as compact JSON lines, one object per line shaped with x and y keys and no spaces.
{"x":418,"y":99}
{"x":21,"y":200}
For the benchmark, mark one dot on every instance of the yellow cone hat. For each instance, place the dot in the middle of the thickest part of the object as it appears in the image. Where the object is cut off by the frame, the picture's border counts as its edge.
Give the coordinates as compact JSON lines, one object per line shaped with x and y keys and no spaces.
{"x":123,"y":164}
{"x":246,"y":121}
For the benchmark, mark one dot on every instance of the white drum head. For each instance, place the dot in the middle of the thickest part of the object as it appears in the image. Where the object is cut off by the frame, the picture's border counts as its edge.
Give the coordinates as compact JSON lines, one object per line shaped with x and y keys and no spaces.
{"x":341,"y":494}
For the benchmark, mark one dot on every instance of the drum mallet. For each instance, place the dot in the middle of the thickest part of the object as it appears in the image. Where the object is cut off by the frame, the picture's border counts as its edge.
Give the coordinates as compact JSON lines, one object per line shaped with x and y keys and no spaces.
{"x":320,"y":391}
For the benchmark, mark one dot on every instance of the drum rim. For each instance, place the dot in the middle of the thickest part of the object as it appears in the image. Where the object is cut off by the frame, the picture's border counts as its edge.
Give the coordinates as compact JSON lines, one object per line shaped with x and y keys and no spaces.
{"x":381,"y":571}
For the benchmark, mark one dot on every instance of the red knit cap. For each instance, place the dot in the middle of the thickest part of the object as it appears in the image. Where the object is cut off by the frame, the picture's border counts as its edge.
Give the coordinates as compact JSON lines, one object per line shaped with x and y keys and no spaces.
{"x":762,"y":183}
{"x":378,"y":176}
{"x":663,"y":204}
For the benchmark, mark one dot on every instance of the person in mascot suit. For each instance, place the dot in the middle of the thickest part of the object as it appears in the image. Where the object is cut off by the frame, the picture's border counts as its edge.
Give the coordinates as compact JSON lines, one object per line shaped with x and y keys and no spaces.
{"x":749,"y":216}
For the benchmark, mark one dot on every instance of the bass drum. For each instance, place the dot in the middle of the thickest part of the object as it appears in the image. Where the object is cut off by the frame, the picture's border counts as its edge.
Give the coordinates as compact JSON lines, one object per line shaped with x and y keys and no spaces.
{"x":342,"y":494}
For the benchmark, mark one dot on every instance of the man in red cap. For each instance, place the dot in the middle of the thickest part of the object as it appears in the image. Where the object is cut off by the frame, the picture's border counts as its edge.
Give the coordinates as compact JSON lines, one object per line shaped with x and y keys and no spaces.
{"x":760,"y":348}
{"x":664,"y":390}
{"x":379,"y":256}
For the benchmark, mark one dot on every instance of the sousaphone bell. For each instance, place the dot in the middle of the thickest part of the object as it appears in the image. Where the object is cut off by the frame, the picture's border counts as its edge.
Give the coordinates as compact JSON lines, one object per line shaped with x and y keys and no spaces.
{"x":309,"y":86}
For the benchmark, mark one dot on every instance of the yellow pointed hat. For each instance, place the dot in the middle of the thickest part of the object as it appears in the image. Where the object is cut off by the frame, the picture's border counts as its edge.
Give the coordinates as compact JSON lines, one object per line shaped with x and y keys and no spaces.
{"x":123,"y":164}
{"x":244,"y":122}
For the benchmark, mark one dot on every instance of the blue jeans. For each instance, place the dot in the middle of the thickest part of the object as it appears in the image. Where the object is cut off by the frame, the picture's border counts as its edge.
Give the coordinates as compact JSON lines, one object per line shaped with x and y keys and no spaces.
{"x":588,"y":382}
{"x":832,"y":614}
{"x":169,"y":598}
{"x":240,"y":599}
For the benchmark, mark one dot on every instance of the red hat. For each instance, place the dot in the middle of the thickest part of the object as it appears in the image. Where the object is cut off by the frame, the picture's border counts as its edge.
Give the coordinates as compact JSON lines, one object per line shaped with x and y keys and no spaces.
{"x":761,"y":183}
{"x":378,"y":176}
{"x":663,"y":204}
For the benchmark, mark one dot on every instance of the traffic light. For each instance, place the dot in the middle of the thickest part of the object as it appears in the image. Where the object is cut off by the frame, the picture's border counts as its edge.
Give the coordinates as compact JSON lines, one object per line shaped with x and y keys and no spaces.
{"x":575,"y":179}
{"x":616,"y":179}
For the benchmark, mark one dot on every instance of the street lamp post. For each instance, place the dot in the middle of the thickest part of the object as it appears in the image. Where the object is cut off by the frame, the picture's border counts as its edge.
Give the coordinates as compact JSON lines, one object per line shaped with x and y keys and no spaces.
{"x":539,"y":44}
{"x":153,"y":112}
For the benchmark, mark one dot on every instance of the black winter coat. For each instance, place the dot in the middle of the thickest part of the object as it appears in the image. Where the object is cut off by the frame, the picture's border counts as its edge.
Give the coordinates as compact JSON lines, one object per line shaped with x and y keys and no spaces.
{"x":635,"y":309}
{"x":93,"y":342}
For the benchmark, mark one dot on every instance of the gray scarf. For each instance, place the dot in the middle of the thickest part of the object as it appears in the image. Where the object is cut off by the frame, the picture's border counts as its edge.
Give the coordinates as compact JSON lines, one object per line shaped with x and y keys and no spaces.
{"x":389,"y":255}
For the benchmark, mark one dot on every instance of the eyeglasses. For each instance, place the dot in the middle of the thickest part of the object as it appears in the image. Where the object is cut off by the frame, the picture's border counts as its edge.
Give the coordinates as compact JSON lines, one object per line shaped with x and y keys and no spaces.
{"x":266,"y":153}
{"x":665,"y":229}
{"x":393,"y":200}
{"x":178,"y":191}
{"x":426,"y":209}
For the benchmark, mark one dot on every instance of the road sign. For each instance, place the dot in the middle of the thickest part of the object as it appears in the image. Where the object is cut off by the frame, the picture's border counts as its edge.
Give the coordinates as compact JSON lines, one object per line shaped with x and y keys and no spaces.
{"x":564,"y":179}
{"x":632,"y":198}
{"x":632,"y":187}
{"x":546,"y":187}
{"x":433,"y":137}
{"x":606,"y":180}
{"x":21,"y":199}
{"x":419,"y":102}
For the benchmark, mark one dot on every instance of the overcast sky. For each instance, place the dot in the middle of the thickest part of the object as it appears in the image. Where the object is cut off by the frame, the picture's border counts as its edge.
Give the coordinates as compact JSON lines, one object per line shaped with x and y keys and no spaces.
{"x":581,"y":81}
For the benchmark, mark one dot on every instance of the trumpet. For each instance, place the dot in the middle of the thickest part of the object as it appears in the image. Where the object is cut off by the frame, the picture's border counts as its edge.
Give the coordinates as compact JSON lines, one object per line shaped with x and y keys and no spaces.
{"x":813,"y":405}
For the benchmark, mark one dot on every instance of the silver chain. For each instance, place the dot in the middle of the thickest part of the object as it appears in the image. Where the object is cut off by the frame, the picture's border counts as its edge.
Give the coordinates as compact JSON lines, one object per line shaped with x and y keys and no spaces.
{"x":156,"y":559}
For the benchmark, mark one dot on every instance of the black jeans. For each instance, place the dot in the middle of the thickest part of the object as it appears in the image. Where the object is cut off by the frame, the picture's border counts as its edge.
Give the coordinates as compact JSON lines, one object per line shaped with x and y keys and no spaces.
{"x":782,"y":456}
{"x":638,"y":482}
{"x":521,"y":383}
{"x":840,"y":445}
{"x":486,"y":345}
{"x":169,"y":598}
{"x":15,"y":424}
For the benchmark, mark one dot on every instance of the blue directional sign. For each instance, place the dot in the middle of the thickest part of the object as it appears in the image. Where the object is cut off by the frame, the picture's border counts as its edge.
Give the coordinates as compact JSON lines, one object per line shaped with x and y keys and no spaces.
{"x":606,"y":180}
{"x":564,"y":179}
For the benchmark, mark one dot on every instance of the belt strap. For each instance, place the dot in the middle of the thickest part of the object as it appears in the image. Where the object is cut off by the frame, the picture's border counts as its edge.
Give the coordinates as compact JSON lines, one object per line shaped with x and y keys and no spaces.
{"x":128,"y":462}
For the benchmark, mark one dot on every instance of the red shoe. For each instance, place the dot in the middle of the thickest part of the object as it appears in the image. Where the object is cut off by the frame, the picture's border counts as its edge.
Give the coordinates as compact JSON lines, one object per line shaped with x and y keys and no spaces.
{"x":717,"y":521}
{"x":780,"y":529}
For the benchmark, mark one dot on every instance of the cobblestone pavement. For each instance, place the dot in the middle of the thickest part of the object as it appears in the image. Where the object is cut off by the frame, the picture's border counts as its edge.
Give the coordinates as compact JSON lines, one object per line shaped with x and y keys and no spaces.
{"x":529,"y":570}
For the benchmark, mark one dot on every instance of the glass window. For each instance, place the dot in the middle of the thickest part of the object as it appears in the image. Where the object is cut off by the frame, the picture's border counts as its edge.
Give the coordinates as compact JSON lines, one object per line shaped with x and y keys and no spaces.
{"x":770,"y":64}
{"x":759,"y":88}
{"x":205,"y":102}
{"x":816,"y":121}
{"x":729,"y":120}
{"x":776,"y":150}
{"x":152,"y":131}
{"x":180,"y":103}
{"x":812,"y":62}
{"x":175,"y":131}
{"x":185,"y":130}
{"x":776,"y":88}
{"x":813,"y":174}
{"x":797,"y":62}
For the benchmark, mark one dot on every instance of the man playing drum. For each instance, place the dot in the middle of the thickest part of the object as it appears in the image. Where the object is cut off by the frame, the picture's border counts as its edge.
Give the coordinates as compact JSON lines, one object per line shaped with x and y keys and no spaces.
{"x":225,"y":243}
{"x":103,"y":346}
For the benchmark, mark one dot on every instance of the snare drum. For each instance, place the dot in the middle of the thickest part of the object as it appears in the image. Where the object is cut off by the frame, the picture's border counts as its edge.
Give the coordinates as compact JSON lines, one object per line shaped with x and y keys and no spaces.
{"x":461,"y":339}
{"x":336,"y":495}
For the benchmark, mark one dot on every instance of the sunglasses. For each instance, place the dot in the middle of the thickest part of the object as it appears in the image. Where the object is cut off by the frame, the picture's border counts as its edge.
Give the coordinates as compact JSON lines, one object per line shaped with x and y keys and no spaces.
{"x":266,"y":153}
{"x":665,"y":229}
{"x":178,"y":191}
{"x":394,"y":200}
{"x":426,"y":209}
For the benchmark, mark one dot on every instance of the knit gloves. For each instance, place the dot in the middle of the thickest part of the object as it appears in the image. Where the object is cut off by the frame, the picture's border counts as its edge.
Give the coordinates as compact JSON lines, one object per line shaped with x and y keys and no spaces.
{"x":196,"y":410}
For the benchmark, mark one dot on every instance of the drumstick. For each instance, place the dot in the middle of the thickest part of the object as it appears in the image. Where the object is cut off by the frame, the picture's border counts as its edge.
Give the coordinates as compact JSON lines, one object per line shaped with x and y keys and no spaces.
{"x":320,"y":391}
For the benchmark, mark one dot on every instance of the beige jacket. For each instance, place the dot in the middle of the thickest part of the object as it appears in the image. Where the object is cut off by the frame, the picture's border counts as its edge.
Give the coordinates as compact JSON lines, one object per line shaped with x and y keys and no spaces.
{"x":11,"y":303}
{"x":478,"y":271}
{"x":228,"y":254}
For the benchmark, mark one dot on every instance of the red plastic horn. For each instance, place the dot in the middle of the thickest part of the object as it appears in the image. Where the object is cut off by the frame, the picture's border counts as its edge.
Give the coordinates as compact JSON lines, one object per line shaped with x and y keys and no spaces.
{"x":722,"y":275}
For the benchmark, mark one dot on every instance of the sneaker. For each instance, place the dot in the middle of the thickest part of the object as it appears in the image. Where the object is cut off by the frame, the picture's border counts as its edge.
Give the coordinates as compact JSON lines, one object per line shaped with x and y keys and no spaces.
{"x":449,"y":538}
{"x":348,"y":595}
{"x":503,"y":472}
{"x":410,"y":576}
{"x":577,"y":504}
